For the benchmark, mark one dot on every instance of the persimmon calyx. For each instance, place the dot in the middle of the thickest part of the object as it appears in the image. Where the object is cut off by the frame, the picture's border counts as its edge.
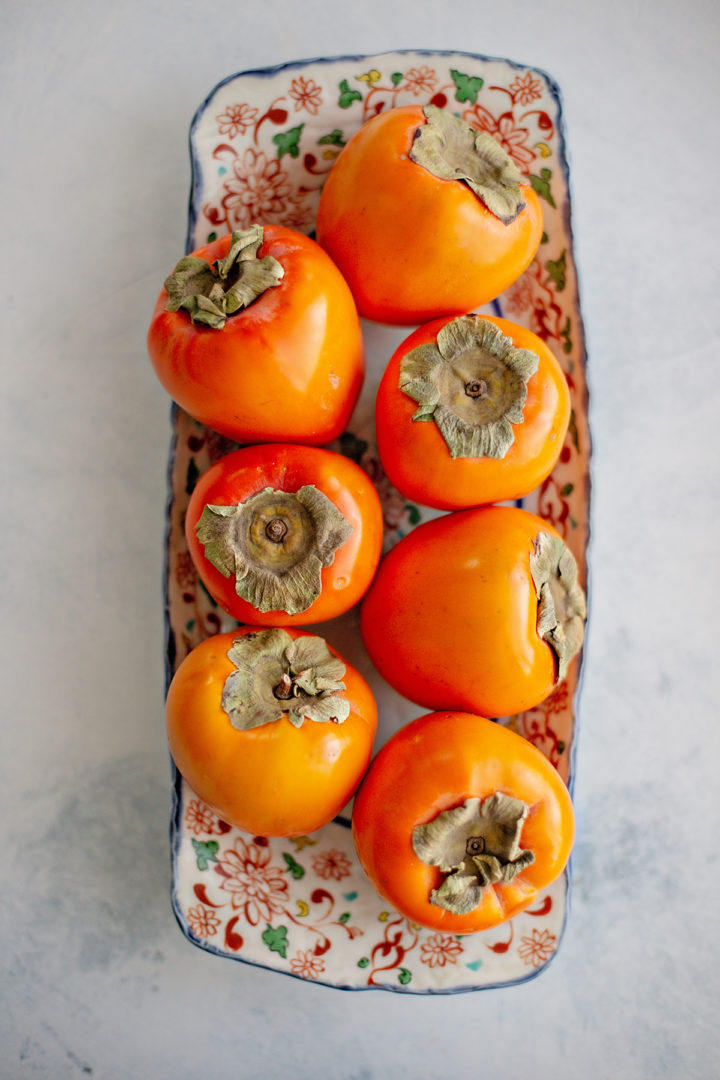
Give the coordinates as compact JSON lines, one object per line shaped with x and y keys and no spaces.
{"x":473,"y":383}
{"x":452,"y":149}
{"x":476,"y":844}
{"x":276,"y":675}
{"x":562,"y":608}
{"x":275,"y":545}
{"x":210,"y":292}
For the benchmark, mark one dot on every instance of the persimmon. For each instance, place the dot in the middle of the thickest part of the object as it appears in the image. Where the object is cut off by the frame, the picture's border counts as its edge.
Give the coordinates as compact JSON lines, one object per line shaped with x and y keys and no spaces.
{"x":284,"y":534}
{"x":471,"y":410}
{"x":459,"y":822}
{"x":271,"y":728}
{"x":480,"y":610}
{"x":257,"y":336}
{"x":426,"y":216}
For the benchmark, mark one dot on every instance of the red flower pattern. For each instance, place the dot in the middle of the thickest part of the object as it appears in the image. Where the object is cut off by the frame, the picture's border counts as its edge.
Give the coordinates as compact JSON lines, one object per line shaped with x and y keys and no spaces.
{"x":256,"y":887}
{"x":236,"y":119}
{"x":512,"y":139}
{"x":525,"y":89}
{"x":306,"y":94}
{"x":202,"y":921}
{"x":420,"y":80}
{"x":199,"y":818}
{"x":537,"y":948}
{"x":439,"y":950}
{"x":306,"y":964}
{"x":332,"y":864}
{"x":258,"y":191}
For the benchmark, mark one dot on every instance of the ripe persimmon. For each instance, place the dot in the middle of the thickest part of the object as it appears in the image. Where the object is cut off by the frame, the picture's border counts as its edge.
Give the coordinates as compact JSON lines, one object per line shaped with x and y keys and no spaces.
{"x":257,"y":336}
{"x":459,"y":822}
{"x":271,"y":728}
{"x":471,"y":410}
{"x":426,"y":216}
{"x":480,"y":610}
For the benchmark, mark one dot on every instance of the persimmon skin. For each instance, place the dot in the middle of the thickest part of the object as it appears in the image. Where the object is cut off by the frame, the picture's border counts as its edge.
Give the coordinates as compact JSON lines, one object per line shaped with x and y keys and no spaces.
{"x":450,"y":620}
{"x":411,"y":246}
{"x":288,"y":367}
{"x":285,"y":467}
{"x":276,"y":779}
{"x":432,"y":765}
{"x":448,"y":483}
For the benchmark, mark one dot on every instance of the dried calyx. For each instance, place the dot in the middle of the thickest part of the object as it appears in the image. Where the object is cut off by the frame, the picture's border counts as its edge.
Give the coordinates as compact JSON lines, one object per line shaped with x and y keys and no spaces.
{"x":562,"y":608}
{"x":476,"y":844}
{"x":276,"y":675}
{"x":453,"y":150}
{"x":275,"y":545}
{"x":472,"y":382}
{"x":210,"y":292}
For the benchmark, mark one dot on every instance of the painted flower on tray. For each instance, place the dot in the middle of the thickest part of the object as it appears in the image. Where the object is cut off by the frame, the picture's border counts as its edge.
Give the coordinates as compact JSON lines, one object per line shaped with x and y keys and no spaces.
{"x":512,"y":139}
{"x":439,"y":950}
{"x":202,"y":921}
{"x":306,"y":94}
{"x":258,"y":191}
{"x":537,"y":948}
{"x":199,"y":818}
{"x":332,"y":864}
{"x":518,"y":298}
{"x":421,"y":80}
{"x":525,"y":89}
{"x":236,"y":119}
{"x":306,"y":964}
{"x":255,"y":887}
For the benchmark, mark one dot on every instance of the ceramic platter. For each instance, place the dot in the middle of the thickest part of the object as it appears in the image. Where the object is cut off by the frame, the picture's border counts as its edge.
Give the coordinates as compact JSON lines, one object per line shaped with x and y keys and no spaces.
{"x":262,"y":144}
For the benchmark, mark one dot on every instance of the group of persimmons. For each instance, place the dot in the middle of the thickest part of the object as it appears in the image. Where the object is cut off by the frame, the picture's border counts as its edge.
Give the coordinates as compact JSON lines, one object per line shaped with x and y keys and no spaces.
{"x":458,"y":821}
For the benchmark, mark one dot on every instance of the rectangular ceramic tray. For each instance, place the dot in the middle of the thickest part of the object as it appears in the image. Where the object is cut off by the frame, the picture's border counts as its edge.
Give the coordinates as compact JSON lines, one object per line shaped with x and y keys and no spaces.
{"x":262,"y":144}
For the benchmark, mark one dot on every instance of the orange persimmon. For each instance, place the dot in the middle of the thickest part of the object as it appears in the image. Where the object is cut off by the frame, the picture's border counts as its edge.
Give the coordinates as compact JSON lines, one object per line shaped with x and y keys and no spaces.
{"x":459,"y":822}
{"x":426,"y":216}
{"x":271,"y":728}
{"x":471,"y":410}
{"x":287,"y":364}
{"x":284,"y":534}
{"x":479,"y":610}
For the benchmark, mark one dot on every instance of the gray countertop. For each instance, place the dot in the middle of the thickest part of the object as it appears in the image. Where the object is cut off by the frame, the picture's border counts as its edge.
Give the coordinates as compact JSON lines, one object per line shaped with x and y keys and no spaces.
{"x":98,"y":978}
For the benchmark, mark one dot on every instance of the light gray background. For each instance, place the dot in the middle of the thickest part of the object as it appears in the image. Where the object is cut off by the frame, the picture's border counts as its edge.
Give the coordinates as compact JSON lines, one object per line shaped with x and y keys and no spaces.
{"x":97,"y":979}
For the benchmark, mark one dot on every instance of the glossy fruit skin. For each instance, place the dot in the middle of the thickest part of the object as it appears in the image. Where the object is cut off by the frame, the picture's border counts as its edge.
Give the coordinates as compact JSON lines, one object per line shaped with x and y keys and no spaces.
{"x":235,"y":477}
{"x":447,"y":483}
{"x":273,"y":780}
{"x":450,"y":619}
{"x":411,"y":246}
{"x":434,"y":764}
{"x":288,"y":367}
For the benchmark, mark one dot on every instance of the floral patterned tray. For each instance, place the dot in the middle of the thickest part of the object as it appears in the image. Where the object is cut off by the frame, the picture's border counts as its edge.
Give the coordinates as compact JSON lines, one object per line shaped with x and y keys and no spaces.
{"x":262,"y":144}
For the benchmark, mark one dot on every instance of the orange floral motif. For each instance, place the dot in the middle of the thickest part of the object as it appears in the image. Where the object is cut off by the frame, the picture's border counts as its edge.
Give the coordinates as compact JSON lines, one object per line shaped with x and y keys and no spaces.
{"x":236,"y":119}
{"x":512,"y":139}
{"x":202,"y":921}
{"x":537,"y":948}
{"x":257,"y":192}
{"x":439,"y":950}
{"x":199,"y":818}
{"x":331,"y":864}
{"x":422,"y":80}
{"x":259,"y":889}
{"x":525,"y":89}
{"x":306,"y":94}
{"x":306,"y":964}
{"x":519,"y":297}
